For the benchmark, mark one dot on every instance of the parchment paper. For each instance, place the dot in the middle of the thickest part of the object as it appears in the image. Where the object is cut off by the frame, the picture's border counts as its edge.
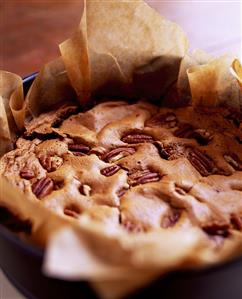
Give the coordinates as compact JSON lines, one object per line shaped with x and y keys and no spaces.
{"x":120,"y":49}
{"x":11,"y":109}
{"x":121,"y":36}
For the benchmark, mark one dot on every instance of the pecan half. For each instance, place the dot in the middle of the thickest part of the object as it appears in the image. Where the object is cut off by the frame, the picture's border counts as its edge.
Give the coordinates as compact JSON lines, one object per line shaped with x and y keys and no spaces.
{"x":167,"y":120}
{"x":202,"y":162}
{"x":26,"y":174}
{"x":72,"y":210}
{"x":202,"y":136}
{"x":99,"y":151}
{"x":171,"y":151}
{"x":142,"y":177}
{"x":51,"y":163}
{"x":234,"y":161}
{"x":137,"y":138}
{"x":184,"y":131}
{"x":180,"y":191}
{"x":43,"y":187}
{"x":78,"y":149}
{"x":110,"y":170}
{"x":171,"y":219}
{"x":217,"y":230}
{"x":235,"y":117}
{"x":117,"y":154}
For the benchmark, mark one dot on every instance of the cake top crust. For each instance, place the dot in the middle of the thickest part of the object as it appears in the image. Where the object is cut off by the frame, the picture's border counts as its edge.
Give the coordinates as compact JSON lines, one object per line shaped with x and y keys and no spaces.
{"x":138,"y":167}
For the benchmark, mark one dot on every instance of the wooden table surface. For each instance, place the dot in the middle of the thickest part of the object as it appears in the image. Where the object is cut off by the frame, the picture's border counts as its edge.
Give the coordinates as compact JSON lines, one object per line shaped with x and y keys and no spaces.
{"x":30,"y":30}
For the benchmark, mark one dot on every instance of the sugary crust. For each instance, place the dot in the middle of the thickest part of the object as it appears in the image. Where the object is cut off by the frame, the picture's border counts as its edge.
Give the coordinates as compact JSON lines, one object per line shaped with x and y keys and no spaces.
{"x":137,"y":167}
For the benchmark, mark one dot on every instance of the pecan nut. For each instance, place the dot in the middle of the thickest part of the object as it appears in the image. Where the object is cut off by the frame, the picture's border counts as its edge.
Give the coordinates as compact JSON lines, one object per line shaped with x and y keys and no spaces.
{"x":72,"y":210}
{"x":171,"y":219}
{"x":202,"y":136}
{"x":143,"y":177}
{"x":167,"y":120}
{"x":234,"y":161}
{"x":184,"y":131}
{"x":202,"y":162}
{"x":26,"y":174}
{"x":51,"y":163}
{"x":217,"y":230}
{"x":117,"y":154}
{"x":110,"y":170}
{"x":78,"y":149}
{"x":43,"y":187}
{"x":180,"y":191}
{"x":99,"y":151}
{"x":137,"y":138}
{"x":171,"y":151}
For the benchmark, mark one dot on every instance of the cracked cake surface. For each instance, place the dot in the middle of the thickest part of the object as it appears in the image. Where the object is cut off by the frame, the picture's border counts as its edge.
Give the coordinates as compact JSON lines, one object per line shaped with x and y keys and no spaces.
{"x":138,"y":167}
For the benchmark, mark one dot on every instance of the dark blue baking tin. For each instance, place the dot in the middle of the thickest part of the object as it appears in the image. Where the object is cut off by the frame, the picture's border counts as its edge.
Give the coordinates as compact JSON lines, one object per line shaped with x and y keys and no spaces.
{"x":22,"y":264}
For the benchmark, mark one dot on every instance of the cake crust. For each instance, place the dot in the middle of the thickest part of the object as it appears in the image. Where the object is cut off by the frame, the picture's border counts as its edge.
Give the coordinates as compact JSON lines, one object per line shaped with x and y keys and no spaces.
{"x":136,"y":167}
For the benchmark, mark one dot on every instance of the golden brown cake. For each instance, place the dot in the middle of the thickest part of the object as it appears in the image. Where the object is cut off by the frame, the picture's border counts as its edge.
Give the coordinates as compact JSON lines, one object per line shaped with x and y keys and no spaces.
{"x":136,"y":166}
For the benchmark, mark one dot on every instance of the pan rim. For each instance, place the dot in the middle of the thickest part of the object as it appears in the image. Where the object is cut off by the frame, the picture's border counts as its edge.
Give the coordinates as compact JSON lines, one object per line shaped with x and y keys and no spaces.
{"x":39,"y":253}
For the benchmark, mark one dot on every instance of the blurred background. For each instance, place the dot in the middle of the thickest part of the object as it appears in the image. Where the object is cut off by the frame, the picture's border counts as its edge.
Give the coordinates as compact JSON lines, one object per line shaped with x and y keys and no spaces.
{"x":30,"y":30}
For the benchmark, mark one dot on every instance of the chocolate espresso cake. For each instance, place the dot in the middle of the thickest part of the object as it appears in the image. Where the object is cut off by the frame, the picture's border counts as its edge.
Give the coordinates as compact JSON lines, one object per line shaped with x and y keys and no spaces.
{"x":135,"y":166}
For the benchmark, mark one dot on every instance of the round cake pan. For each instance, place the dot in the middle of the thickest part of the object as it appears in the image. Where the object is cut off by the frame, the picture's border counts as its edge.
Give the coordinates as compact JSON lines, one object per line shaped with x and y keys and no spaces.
{"x":22,"y":264}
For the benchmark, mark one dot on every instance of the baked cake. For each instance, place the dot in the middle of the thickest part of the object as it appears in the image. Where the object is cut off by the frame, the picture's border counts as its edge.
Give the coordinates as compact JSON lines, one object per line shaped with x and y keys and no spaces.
{"x":136,"y":166}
